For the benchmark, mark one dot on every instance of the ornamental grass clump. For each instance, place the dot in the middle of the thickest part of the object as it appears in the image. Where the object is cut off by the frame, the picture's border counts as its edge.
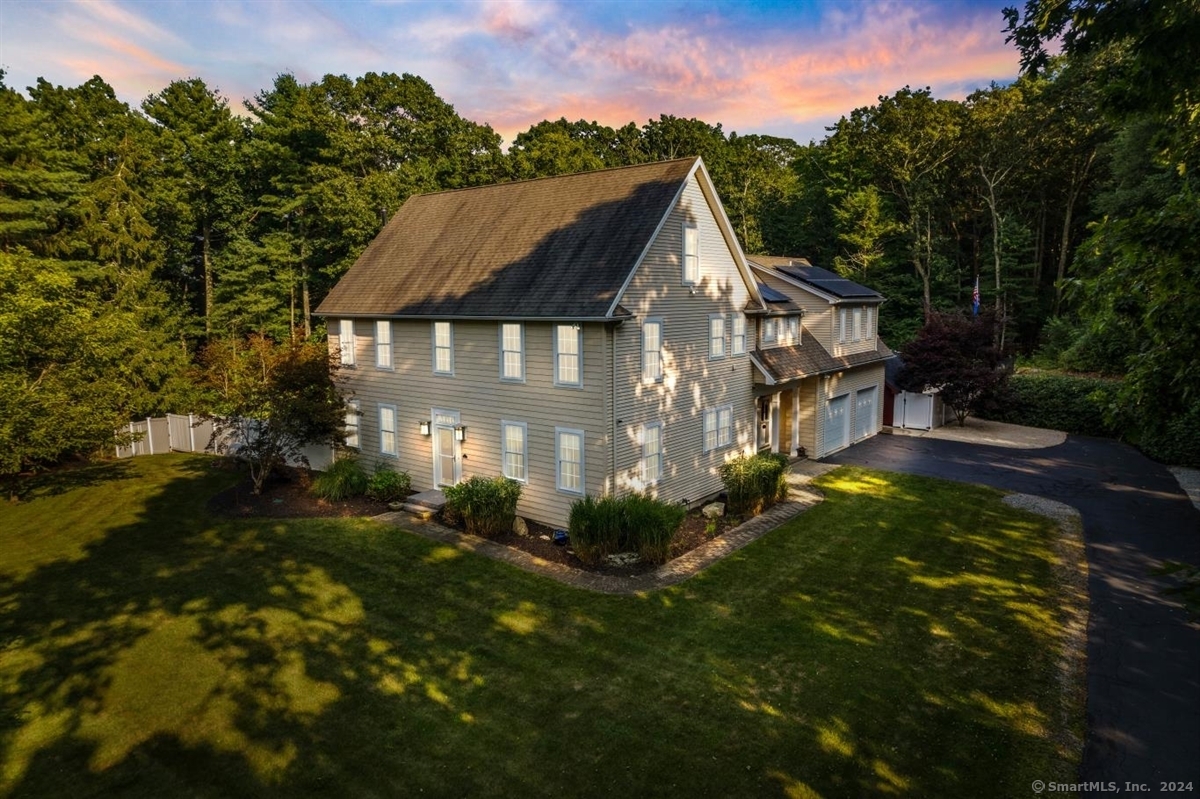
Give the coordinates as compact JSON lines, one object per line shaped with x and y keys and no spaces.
{"x":344,"y":478}
{"x":387,"y":485}
{"x":637,"y":522}
{"x":651,"y":526}
{"x":595,"y":528}
{"x":486,"y":505}
{"x":755,"y":483}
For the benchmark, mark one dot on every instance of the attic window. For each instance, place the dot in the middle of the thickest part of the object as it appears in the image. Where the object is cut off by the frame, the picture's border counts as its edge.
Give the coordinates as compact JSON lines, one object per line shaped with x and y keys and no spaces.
{"x":691,"y":255}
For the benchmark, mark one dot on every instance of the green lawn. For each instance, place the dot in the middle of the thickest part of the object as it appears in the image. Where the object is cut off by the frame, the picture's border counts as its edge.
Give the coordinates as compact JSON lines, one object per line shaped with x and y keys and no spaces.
{"x":901,"y":639}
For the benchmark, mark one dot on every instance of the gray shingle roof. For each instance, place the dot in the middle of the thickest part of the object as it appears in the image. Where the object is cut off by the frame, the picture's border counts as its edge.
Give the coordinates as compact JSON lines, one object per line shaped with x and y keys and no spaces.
{"x":557,"y":247}
{"x":821,"y":279}
{"x":810,"y":358}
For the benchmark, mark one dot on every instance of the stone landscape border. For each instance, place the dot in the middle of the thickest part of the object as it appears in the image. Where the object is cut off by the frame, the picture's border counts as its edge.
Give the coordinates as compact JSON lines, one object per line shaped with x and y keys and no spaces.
{"x":801,"y":497}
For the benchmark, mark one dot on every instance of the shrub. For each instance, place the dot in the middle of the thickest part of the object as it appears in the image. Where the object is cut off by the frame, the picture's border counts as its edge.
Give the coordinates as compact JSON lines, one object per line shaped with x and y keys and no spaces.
{"x":755,"y":483}
{"x":651,"y":525}
{"x":605,"y":525}
{"x":487,"y":505}
{"x":1071,"y":403}
{"x":388,"y":486}
{"x":1177,"y":441}
{"x":595,"y":527}
{"x":343,"y":479}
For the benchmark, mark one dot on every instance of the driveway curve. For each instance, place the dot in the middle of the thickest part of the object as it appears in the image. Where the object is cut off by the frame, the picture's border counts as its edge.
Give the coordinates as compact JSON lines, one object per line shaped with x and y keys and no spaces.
{"x":1143,"y":676}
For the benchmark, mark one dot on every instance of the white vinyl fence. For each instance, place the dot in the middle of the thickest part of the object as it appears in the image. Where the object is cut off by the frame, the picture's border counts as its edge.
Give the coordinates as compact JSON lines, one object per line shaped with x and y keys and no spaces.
{"x":188,"y":433}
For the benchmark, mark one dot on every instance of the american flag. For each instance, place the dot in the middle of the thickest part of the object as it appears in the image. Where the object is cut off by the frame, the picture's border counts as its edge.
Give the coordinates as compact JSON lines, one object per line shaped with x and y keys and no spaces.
{"x":975,"y":298}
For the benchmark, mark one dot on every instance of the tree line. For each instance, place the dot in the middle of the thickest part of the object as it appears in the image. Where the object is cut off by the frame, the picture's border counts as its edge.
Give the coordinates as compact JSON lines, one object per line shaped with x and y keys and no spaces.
{"x":133,"y":238}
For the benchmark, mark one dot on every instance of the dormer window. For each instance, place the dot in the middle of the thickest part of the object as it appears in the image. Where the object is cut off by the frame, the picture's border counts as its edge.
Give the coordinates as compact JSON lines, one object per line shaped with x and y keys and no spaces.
{"x":768,"y":335}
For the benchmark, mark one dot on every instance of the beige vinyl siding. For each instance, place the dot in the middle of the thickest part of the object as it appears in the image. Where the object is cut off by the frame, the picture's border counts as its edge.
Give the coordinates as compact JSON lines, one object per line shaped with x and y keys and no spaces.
{"x":849,"y":382}
{"x":816,"y":317}
{"x":483,"y":400}
{"x":808,"y":389}
{"x":692,"y":382}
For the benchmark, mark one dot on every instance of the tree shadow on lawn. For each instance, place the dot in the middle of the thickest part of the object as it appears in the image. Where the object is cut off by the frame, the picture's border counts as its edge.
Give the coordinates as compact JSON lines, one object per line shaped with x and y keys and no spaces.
{"x":183,"y":655}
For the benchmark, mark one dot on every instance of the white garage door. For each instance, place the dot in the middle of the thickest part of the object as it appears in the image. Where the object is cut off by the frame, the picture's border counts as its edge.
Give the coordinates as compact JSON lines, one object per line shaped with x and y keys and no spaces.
{"x":864,"y":413}
{"x":837,"y":422}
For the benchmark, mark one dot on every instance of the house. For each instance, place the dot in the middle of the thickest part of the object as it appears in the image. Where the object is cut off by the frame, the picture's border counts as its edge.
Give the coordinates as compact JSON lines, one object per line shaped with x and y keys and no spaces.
{"x":585,"y":334}
{"x":819,"y":382}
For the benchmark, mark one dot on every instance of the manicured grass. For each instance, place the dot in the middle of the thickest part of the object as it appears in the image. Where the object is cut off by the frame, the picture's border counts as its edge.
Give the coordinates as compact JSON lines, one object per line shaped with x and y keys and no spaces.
{"x":900,"y":639}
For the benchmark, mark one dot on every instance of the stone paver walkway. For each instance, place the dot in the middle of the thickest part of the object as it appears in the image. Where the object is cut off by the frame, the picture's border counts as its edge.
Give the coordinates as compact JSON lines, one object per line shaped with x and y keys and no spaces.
{"x":801,"y":497}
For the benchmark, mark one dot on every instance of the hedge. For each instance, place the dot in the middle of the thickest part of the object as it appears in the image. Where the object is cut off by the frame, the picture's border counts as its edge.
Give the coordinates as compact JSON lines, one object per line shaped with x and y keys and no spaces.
{"x":1071,"y":403}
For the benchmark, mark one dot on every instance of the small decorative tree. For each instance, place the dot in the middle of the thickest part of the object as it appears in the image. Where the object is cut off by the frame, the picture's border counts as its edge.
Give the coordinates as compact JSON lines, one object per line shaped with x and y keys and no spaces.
{"x":269,"y":400}
{"x":956,"y":355}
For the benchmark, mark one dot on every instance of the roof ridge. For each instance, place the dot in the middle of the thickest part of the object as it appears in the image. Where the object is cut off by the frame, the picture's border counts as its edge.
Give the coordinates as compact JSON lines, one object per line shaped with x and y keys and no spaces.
{"x":689,"y":159}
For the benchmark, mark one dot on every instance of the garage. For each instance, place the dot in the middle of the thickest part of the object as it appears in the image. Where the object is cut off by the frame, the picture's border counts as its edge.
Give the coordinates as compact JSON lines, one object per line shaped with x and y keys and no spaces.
{"x":864,"y":412}
{"x":837,"y":422}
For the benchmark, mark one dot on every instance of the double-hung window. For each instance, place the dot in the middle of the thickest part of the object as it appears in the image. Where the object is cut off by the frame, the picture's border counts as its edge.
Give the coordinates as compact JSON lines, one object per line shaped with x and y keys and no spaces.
{"x":346,"y":341}
{"x":718,"y":427}
{"x":793,"y":327}
{"x":387,"y":429}
{"x":351,"y":424}
{"x":443,"y":348}
{"x":858,"y":326}
{"x":568,"y":355}
{"x":383,"y":344}
{"x":691,"y":255}
{"x":568,"y":446}
{"x":513,"y":438}
{"x":652,"y":344}
{"x":739,"y":334}
{"x":841,"y":336}
{"x":716,"y":336}
{"x":870,"y":323}
{"x":768,"y":335}
{"x":652,"y":453}
{"x":512,"y":351}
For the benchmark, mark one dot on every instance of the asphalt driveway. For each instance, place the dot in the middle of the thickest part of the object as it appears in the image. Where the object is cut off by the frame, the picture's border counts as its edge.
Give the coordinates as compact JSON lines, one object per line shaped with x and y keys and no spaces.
{"x":1143,"y":703}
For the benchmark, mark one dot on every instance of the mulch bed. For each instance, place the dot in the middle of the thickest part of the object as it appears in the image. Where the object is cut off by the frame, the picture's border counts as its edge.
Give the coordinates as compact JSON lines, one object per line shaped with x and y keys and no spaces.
{"x":286,"y":495}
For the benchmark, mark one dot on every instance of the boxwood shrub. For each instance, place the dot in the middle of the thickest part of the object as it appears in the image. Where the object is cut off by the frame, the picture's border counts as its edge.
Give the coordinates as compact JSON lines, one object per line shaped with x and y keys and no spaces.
{"x":387,"y":485}
{"x":755,"y":483}
{"x":486,"y":505}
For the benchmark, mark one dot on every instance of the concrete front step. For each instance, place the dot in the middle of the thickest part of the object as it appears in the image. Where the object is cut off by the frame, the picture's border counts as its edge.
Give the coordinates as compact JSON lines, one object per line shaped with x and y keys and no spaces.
{"x":433,"y":499}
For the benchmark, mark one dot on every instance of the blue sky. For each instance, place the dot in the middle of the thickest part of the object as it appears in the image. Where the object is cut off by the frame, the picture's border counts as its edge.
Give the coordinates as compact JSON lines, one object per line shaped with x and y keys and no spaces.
{"x":782,"y":68}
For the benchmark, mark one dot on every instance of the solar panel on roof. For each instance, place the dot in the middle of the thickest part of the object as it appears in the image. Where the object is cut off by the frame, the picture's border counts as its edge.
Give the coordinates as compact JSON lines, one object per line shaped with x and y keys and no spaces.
{"x":828,"y":281}
{"x":771,"y":295}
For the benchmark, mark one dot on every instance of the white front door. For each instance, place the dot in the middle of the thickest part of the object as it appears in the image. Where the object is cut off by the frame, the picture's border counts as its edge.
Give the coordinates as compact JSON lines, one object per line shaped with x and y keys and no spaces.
{"x":447,"y":452}
{"x":837,"y":421}
{"x":864,"y":413}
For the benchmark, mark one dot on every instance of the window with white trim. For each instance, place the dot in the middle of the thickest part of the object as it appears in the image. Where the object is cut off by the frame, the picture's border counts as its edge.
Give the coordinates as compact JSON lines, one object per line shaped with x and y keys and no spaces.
{"x":652,"y":357}
{"x":513,"y":446}
{"x":858,"y":324}
{"x":387,"y":429}
{"x":870,"y":324}
{"x":768,"y":335}
{"x":793,"y":326}
{"x":739,"y":334}
{"x":568,"y":447}
{"x":383,"y":344}
{"x":346,"y":341}
{"x":512,"y":351}
{"x":652,"y":453}
{"x":351,"y":424}
{"x":568,"y":355}
{"x":841,"y":336}
{"x":718,"y":427}
{"x":443,"y":348}
{"x":716,"y":336}
{"x":691,"y":255}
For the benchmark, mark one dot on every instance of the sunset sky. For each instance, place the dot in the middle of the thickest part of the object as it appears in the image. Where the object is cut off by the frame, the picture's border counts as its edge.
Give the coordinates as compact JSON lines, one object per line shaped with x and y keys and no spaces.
{"x":783,"y":68}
